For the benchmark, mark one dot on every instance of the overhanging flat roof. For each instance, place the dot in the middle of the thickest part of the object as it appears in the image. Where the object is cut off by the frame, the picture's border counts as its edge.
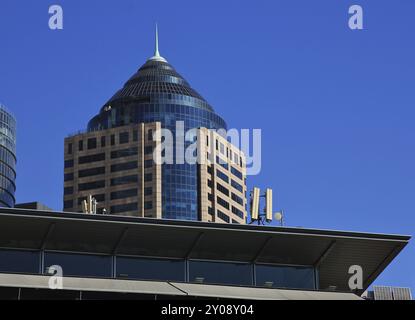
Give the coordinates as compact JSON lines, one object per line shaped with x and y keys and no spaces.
{"x":332,"y":252}
{"x":170,"y":289}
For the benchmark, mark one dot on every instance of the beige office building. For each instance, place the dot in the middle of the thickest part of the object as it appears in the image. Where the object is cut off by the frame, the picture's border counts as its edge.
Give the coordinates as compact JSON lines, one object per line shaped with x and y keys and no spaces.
{"x":118,"y":168}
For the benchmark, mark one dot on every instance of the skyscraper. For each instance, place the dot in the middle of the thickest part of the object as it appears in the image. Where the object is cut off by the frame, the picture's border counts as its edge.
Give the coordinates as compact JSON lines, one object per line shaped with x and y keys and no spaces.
{"x":7,"y":158}
{"x":155,"y":97}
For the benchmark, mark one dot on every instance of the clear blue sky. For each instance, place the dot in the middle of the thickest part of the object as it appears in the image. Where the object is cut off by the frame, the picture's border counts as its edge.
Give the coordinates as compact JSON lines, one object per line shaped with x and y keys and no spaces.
{"x":336,"y":106}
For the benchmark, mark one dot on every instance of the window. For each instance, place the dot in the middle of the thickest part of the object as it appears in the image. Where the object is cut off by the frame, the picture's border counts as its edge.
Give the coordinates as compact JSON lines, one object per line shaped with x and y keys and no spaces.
{"x":124,"y":208}
{"x":91,"y":185}
{"x":223,"y":203}
{"x":210,"y":184}
{"x":80,"y":145}
{"x":135,"y":135}
{"x":150,"y":269}
{"x":285,"y":276}
{"x":103,"y":141}
{"x":150,"y":135}
{"x":222,"y":189}
{"x":69,"y":148}
{"x":222,"y":163}
{"x":68,"y":177}
{"x":148,"y":163}
{"x":238,"y":212}
{"x":80,"y":265}
{"x":112,"y":139}
{"x":124,"y":166}
{"x":124,"y":137}
{"x":124,"y":153}
{"x":148,"y":191}
{"x":148,"y":205}
{"x":68,"y":191}
{"x":124,"y":180}
{"x":237,"y":199}
{"x":92,"y":158}
{"x":237,"y":186}
{"x":124,"y":194}
{"x":68,"y":204}
{"x":223,"y":216}
{"x":209,"y":169}
{"x":148,"y":177}
{"x":237,"y":173}
{"x":210,"y":197}
{"x":148,"y":150}
{"x":69,"y":163}
{"x":220,"y":273}
{"x":222,"y":176}
{"x":92,"y":143}
{"x":91,"y":172}
{"x":19,"y":261}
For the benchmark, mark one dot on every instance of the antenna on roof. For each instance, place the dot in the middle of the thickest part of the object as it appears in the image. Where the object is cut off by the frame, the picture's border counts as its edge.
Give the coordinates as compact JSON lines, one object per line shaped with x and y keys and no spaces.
{"x":157,"y":56}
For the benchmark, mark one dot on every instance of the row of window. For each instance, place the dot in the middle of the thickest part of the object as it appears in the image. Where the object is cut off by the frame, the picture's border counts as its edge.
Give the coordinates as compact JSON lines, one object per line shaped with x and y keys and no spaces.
{"x":232,"y":156}
{"x":123,"y":138}
{"x":211,"y":272}
{"x":123,"y":153}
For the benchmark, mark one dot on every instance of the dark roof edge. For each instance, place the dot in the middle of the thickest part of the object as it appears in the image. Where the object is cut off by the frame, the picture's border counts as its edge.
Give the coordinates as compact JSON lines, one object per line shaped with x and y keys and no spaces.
{"x":209,"y":225}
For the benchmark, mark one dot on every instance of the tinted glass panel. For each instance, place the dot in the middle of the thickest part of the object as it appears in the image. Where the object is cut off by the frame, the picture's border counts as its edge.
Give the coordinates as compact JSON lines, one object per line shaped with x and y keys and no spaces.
{"x":150,"y":269}
{"x":124,"y":166}
{"x":91,"y":172}
{"x":91,"y":185}
{"x":222,"y":176}
{"x":69,"y":163}
{"x":124,"y":194}
{"x":237,"y":186}
{"x":124,"y":180}
{"x":124,"y":137}
{"x":220,"y":273}
{"x":224,"y":216}
{"x":285,"y":277}
{"x":68,"y":177}
{"x":124,"y":153}
{"x":124,"y":208}
{"x":80,"y":265}
{"x":92,"y":143}
{"x":19,"y":261}
{"x":91,"y":158}
{"x":236,"y":173}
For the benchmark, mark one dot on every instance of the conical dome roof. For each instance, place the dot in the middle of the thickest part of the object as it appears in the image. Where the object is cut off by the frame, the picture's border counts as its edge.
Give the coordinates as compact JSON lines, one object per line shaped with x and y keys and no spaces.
{"x":155,"y":77}
{"x":156,"y":92}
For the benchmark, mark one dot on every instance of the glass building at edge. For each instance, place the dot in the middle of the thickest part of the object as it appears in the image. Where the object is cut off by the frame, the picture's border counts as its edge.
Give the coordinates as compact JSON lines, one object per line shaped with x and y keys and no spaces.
{"x":7,"y":158}
{"x":156,"y":93}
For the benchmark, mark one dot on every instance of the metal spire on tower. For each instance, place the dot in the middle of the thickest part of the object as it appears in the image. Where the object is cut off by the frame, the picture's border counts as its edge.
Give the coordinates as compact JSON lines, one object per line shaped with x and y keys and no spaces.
{"x":157,"y":56}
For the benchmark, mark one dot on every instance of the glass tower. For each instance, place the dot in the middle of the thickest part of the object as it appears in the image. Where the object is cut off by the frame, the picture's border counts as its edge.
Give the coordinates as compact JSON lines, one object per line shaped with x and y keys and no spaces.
{"x":157,"y":93}
{"x":7,"y":158}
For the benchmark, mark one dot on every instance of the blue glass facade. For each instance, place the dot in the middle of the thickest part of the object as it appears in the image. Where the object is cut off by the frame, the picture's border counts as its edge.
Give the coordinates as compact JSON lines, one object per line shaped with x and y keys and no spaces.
{"x":7,"y":158}
{"x":158,"y":93}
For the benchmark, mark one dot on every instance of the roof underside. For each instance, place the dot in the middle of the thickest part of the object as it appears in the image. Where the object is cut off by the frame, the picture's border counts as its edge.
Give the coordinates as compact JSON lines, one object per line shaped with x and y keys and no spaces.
{"x":333,"y":252}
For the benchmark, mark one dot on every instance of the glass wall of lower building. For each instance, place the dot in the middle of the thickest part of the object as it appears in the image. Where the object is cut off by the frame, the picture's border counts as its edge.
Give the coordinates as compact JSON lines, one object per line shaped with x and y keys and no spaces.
{"x":7,"y":158}
{"x":158,"y":269}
